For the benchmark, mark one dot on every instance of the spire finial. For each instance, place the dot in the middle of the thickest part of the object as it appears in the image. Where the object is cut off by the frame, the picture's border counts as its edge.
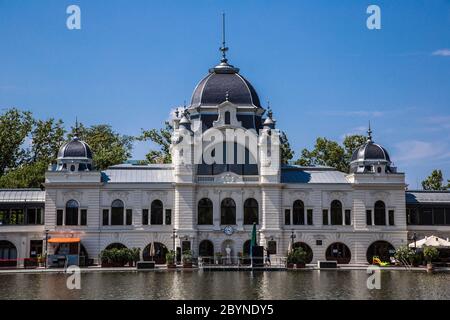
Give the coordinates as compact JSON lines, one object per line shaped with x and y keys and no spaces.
{"x":224,"y":48}
{"x":369,"y":134}
{"x":269,"y":110}
{"x":76,"y":132}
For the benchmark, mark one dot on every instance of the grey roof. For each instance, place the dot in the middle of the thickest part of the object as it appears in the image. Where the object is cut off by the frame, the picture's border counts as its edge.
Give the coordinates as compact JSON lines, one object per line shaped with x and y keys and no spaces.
{"x":138,"y":174}
{"x":370,"y":151}
{"x":75,"y":149}
{"x":21,"y":195}
{"x":221,"y":84}
{"x":421,"y":196}
{"x":294,"y":174}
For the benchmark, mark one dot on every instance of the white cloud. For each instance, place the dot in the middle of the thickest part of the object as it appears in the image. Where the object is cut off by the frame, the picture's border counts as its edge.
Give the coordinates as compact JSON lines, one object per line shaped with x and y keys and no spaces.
{"x":416,"y":150}
{"x":442,"y":53}
{"x":357,"y":113}
{"x":439,"y":122}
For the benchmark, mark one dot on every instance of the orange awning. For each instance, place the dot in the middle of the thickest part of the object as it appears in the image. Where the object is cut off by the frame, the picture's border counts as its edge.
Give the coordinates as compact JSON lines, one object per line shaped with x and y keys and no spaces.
{"x":64,"y":240}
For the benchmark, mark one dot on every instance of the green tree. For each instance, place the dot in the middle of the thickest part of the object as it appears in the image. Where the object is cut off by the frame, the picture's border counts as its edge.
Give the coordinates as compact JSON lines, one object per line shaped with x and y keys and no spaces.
{"x":285,"y":149}
{"x":160,"y":137}
{"x":330,"y":153}
{"x":108,"y":147}
{"x":27,"y":175}
{"x":15,"y":126}
{"x":435,"y":181}
{"x":47,"y":137}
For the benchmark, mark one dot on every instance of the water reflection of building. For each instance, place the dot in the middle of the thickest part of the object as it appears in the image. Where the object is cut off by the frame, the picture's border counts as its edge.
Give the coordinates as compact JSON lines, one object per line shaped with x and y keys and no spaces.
{"x":331,"y":214}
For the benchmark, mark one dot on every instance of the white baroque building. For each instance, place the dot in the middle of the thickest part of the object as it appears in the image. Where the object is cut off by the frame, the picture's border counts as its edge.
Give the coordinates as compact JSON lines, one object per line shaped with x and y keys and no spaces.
{"x":207,"y":207}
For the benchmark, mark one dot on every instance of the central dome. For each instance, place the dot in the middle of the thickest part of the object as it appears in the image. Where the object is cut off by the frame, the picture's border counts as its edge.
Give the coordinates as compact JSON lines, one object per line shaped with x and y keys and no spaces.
{"x":224,"y":83}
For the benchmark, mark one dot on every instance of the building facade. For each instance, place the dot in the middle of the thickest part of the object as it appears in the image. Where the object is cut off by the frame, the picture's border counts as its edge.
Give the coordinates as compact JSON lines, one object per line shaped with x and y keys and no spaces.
{"x":206,"y":207}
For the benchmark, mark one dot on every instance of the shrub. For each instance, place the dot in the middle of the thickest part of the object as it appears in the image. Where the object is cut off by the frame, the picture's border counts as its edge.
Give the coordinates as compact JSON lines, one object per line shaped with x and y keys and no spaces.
{"x":430,"y":254}
{"x":298,"y":255}
{"x":170,"y":257}
{"x":405,"y":254}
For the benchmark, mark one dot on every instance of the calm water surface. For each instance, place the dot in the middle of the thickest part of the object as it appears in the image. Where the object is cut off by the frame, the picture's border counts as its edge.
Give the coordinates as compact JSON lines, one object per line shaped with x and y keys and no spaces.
{"x":325,"y":284}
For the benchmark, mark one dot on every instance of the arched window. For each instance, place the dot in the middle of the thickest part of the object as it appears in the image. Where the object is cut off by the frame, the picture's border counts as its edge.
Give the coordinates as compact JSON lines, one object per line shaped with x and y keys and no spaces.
{"x":228,"y":211}
{"x":298,"y":212}
{"x":117,"y":210}
{"x":380,"y":213}
{"x":8,"y":254}
{"x":156,"y":212}
{"x":205,"y":211}
{"x":251,"y":211}
{"x":338,"y":252}
{"x":336,"y":212}
{"x":71,"y":213}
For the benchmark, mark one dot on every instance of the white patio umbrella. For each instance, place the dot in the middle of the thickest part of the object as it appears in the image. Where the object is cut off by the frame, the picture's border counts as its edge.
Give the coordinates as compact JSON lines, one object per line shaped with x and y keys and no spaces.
{"x":431,"y":241}
{"x":152,"y":251}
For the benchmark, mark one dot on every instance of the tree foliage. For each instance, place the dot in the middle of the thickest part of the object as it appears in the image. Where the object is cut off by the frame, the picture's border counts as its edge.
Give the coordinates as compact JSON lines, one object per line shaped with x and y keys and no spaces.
{"x":160,"y":137}
{"x":285,"y":149}
{"x":435,"y":181}
{"x":15,"y":126}
{"x":108,"y":147}
{"x":330,"y":153}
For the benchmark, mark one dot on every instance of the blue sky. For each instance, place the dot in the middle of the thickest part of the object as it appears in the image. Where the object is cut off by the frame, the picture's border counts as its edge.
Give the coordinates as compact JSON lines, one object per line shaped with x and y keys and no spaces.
{"x":323,"y":71}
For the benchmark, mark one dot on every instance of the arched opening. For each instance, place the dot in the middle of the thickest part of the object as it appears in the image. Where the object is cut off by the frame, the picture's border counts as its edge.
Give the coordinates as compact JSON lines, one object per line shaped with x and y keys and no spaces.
{"x":205,"y":212}
{"x":156,"y":212}
{"x":206,"y":251}
{"x":381,"y":249}
{"x":115,"y":245}
{"x":117,"y":210}
{"x":228,"y":212}
{"x":251,"y":211}
{"x":380,"y":213}
{"x":71,"y":213}
{"x":159,"y":254}
{"x":298,"y":213}
{"x":8,"y":254}
{"x":72,"y":249}
{"x":307,"y":249}
{"x":336,"y":212}
{"x":338,"y":252}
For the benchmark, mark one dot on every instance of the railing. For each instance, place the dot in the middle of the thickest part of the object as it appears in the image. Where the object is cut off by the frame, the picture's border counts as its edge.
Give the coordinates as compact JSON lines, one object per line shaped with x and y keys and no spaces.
{"x":239,"y":261}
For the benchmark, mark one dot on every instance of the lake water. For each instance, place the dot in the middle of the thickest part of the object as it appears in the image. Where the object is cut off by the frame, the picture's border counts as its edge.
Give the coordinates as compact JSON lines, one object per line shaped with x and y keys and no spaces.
{"x":314,"y":284}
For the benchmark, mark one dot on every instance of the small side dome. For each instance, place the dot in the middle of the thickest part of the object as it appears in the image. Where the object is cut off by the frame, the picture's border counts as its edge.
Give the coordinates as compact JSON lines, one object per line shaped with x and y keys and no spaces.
{"x":370,"y":158}
{"x":74,"y":156}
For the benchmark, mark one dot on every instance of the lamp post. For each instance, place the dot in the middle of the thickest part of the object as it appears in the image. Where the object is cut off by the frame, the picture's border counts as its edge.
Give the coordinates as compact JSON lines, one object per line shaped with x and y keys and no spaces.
{"x":174,"y":236}
{"x":46,"y":248}
{"x":293,"y":236}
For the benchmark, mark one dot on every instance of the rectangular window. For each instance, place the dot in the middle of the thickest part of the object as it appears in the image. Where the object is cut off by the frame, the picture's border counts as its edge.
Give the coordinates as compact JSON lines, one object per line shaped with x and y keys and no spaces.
{"x":39,"y":216}
{"x":83,"y":218}
{"x":348,"y":217}
{"x":325,"y":217}
{"x":145,"y":217}
{"x":129,"y":217}
{"x":391,"y":217}
{"x":4,"y":216}
{"x":31,"y":216}
{"x":16,"y":216}
{"x":426,"y":216}
{"x":447,"y":216}
{"x":369,"y":217}
{"x":168,"y":217}
{"x":59,"y":217}
{"x":309,"y":217}
{"x":105,"y":217}
{"x":287,"y":217}
{"x":438,"y":216}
